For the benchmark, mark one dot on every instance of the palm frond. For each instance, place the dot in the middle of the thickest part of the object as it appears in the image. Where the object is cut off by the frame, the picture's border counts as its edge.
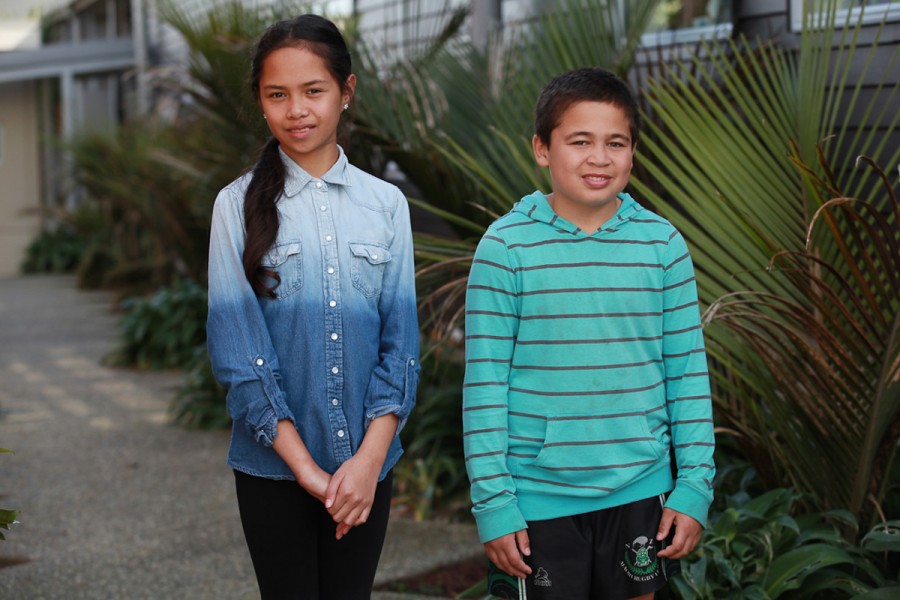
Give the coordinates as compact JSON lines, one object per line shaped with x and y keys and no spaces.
{"x":831,"y":398}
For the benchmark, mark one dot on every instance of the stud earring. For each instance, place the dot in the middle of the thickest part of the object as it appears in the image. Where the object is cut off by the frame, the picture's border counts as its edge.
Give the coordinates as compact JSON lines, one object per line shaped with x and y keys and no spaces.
{"x":265,"y":118}
{"x":346,"y":106}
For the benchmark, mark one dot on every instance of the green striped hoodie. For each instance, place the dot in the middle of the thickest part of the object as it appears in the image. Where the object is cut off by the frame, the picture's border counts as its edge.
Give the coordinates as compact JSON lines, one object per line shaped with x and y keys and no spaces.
{"x":585,"y":369}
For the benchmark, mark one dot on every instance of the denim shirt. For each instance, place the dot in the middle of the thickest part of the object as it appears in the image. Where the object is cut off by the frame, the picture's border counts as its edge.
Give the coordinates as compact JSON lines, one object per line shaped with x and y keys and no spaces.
{"x":338,"y":346}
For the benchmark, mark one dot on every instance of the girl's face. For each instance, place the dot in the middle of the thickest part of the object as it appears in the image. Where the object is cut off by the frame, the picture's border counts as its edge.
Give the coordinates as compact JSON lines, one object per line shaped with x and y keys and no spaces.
{"x":302,"y":103}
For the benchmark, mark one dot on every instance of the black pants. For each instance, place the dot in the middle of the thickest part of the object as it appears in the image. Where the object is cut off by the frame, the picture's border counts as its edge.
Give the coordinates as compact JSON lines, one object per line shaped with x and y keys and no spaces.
{"x":291,"y":540}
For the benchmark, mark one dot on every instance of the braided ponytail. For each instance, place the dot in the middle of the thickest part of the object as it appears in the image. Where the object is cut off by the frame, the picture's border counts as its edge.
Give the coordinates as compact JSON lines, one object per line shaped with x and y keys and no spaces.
{"x":261,"y":218}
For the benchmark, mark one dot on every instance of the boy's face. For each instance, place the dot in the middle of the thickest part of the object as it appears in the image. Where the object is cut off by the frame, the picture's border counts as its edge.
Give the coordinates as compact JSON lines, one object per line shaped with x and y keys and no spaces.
{"x":590,"y":156}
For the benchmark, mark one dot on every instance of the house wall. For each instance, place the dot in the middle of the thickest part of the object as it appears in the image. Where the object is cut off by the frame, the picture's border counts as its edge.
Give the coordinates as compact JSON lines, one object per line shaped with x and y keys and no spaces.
{"x":19,"y":173}
{"x":765,"y":19}
{"x":388,"y":24}
{"x":774,"y":19}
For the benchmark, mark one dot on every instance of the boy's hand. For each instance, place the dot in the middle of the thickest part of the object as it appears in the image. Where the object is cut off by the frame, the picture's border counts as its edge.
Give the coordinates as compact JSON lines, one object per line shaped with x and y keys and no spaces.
{"x":506,"y":552}
{"x":687,"y":533}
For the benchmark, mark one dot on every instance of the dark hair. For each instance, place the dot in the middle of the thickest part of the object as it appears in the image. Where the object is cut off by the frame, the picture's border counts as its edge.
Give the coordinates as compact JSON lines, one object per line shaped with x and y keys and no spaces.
{"x":586,"y":84}
{"x":321,"y":37}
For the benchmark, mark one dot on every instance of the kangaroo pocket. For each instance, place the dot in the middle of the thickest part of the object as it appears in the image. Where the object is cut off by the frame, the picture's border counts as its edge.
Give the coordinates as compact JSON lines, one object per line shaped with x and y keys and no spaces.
{"x":593,"y":454}
{"x":367,"y":263}
{"x":286,"y":260}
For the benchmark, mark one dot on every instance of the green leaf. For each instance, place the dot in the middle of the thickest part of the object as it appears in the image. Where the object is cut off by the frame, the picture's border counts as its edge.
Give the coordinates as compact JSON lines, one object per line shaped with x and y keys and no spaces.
{"x":789,"y":570}
{"x":826,"y":581}
{"x":7,"y":517}
{"x":754,"y":592}
{"x":771,"y":503}
{"x":885,"y":593}
{"x":884,"y":537}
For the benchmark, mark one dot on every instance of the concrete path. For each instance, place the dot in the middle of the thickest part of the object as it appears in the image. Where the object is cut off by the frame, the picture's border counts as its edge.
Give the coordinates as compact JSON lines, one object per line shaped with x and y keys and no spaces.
{"x":115,"y":502}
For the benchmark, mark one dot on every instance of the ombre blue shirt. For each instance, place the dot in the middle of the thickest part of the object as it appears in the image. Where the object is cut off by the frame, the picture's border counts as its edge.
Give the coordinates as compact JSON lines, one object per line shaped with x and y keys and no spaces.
{"x":339,"y":345}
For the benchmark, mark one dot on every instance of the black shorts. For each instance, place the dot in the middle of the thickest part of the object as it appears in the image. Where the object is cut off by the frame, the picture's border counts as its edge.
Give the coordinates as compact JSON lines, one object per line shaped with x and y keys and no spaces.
{"x":606,"y":554}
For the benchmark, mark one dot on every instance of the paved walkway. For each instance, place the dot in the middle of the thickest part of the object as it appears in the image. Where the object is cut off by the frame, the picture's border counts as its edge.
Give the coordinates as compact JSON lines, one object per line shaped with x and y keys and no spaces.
{"x":115,"y":502}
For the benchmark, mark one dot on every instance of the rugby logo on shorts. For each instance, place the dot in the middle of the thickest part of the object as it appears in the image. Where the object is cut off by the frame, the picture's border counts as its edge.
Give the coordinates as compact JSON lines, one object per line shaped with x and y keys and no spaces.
{"x":541,"y":578}
{"x":640,"y":562}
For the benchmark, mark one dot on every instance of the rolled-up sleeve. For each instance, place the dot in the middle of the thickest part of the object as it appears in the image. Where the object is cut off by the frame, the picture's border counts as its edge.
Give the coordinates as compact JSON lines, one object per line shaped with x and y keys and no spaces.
{"x":392,"y":386}
{"x":240,"y":349}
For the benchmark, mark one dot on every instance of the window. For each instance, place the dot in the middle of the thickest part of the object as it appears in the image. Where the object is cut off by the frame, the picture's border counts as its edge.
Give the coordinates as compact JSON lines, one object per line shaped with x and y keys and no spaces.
{"x":875,"y":11}
{"x":92,"y":22}
{"x":123,"y":18}
{"x":684,"y":21}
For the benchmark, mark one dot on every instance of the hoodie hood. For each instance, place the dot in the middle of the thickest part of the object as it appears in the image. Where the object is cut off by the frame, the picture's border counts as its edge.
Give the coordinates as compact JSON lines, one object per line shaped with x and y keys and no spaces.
{"x":536,"y":207}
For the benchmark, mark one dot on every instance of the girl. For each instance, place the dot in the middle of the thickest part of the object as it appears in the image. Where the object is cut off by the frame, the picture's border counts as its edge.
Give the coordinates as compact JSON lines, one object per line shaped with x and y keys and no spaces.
{"x":312,"y":328}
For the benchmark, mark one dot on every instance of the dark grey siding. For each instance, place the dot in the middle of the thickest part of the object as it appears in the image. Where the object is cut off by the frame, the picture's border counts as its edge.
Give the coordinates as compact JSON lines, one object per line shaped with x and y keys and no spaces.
{"x":771,"y":20}
{"x":761,"y":18}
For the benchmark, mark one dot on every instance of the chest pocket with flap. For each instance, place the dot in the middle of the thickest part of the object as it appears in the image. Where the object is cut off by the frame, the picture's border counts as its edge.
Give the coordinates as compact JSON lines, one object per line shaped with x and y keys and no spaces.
{"x":367,"y":263}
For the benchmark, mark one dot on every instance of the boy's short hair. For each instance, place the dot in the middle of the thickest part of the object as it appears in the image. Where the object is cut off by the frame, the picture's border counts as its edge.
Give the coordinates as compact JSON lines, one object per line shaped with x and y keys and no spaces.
{"x":591,"y":84}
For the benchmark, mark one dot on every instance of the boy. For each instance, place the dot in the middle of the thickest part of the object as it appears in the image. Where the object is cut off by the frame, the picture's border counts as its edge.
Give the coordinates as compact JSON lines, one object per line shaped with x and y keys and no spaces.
{"x":585,"y":367}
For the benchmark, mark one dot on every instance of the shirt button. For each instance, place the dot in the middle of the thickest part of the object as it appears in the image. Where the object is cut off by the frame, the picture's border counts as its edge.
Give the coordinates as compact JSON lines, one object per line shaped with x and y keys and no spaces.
{"x":332,"y":304}
{"x":318,"y":184}
{"x":335,"y":370}
{"x":323,"y":208}
{"x":334,"y":336}
{"x":260,"y":362}
{"x":340,"y":433}
{"x":334,"y":401}
{"x":327,"y":238}
{"x":374,"y":257}
{"x":330,"y":270}
{"x":412,"y":363}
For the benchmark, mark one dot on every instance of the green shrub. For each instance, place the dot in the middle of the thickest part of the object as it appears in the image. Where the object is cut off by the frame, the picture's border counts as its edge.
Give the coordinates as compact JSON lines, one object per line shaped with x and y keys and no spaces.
{"x":431,"y":477}
{"x":168,"y":331}
{"x":761,"y":548}
{"x":163,"y":331}
{"x":200,"y":403}
{"x":94,"y":265}
{"x":57,"y":251}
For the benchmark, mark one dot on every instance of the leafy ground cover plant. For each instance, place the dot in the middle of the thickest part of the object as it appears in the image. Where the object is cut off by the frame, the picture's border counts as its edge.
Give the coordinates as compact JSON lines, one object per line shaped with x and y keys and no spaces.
{"x":57,"y":251}
{"x":7,"y":516}
{"x":431,"y":479}
{"x":762,"y":548}
{"x":163,"y":331}
{"x":200,"y":402}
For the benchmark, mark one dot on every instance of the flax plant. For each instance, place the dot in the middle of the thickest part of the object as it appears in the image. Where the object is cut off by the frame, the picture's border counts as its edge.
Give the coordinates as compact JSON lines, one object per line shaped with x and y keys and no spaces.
{"x":827,"y":359}
{"x":755,"y":157}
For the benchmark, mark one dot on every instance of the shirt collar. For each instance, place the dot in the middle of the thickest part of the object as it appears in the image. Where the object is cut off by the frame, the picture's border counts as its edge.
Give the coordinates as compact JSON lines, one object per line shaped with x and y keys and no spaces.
{"x":536,"y":206}
{"x":296,"y":178}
